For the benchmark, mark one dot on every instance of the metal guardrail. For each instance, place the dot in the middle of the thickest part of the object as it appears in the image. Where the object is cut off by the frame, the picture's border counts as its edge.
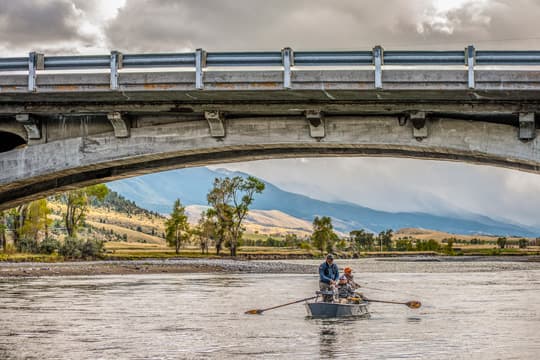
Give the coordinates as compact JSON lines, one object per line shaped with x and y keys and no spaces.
{"x":285,"y":59}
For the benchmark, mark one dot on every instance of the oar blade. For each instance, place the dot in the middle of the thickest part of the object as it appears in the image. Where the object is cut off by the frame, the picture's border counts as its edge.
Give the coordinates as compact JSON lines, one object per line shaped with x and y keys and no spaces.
{"x":413,"y":304}
{"x":254,"y":312}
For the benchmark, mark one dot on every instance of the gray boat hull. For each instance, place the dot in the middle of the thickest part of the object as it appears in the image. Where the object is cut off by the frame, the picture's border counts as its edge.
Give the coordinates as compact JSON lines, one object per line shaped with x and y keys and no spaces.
{"x":329,"y":310}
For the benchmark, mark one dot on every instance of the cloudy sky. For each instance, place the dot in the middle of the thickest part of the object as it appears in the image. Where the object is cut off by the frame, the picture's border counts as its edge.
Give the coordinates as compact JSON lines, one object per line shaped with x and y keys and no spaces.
{"x":88,"y":27}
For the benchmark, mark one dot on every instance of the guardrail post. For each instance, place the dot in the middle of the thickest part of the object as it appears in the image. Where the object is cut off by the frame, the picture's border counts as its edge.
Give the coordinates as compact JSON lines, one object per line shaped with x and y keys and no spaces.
{"x":287,"y":58}
{"x":378,"y":61}
{"x":35,"y":62}
{"x":116,"y":63}
{"x":470,"y":60}
{"x":200,"y":64}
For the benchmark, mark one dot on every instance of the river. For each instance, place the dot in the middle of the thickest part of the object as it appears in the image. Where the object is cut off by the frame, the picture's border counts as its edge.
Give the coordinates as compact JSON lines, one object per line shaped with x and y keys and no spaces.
{"x":471,"y":310}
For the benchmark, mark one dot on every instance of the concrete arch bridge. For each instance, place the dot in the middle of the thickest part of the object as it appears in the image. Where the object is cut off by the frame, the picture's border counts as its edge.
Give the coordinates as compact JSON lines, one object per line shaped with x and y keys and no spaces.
{"x":65,"y":129}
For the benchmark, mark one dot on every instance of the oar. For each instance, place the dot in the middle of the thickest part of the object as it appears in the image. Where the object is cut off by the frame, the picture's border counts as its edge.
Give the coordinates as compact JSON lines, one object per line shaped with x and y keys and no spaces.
{"x":260,"y":311}
{"x":413,"y":304}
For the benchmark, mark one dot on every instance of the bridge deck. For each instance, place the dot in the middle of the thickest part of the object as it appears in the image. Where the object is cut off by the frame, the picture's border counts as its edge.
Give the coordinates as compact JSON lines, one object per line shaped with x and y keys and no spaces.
{"x":352,"y":90}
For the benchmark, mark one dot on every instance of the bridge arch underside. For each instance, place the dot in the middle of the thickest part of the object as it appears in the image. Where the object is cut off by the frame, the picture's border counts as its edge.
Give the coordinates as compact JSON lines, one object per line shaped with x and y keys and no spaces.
{"x":50,"y":167}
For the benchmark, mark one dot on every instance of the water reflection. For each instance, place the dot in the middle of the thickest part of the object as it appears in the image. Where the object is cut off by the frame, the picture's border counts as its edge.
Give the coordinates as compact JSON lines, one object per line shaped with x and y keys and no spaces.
{"x":171,"y":316}
{"x":336,"y":336}
{"x":327,"y":341}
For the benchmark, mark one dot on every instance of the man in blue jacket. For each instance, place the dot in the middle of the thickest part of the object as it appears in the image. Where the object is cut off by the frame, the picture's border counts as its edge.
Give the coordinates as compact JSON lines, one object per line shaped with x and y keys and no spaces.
{"x":328,"y":275}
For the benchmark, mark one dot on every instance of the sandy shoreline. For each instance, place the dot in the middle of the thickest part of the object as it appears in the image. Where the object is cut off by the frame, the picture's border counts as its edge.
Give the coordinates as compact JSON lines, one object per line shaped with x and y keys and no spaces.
{"x":121,"y":267}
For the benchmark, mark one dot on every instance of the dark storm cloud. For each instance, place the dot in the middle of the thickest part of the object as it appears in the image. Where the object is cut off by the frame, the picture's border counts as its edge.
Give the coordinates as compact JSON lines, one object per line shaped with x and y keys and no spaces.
{"x":145,"y":25}
{"x":30,"y":23}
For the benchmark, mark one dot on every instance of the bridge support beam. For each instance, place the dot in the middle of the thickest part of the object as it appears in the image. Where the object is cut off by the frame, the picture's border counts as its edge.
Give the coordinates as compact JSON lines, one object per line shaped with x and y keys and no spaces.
{"x":527,"y":126}
{"x":315,"y":119}
{"x":420,"y":130}
{"x":216,"y":122}
{"x":31,"y":125}
{"x":120,"y":125}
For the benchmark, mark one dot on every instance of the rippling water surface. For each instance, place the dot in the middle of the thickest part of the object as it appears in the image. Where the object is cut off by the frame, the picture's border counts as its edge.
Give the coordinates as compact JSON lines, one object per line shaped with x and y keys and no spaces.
{"x":470,"y":311}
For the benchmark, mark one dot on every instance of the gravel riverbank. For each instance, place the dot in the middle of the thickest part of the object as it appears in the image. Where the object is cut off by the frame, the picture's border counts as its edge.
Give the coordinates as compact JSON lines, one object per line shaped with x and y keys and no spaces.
{"x":152,"y":266}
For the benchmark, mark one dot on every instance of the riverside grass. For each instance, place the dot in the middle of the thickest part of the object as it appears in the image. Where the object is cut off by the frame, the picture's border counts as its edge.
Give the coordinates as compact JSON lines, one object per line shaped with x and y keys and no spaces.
{"x":136,"y":251}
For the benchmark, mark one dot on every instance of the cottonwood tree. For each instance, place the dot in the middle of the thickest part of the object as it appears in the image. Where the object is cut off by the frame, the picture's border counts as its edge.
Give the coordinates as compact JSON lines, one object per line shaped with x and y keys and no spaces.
{"x":206,"y":231}
{"x":77,"y":203}
{"x":323,"y":237}
{"x":18,"y":217}
{"x":221,"y":227}
{"x":3,"y":227}
{"x":362,"y":239}
{"x":385,"y":239}
{"x":230,"y":199}
{"x":177,"y":227}
{"x":36,"y":220}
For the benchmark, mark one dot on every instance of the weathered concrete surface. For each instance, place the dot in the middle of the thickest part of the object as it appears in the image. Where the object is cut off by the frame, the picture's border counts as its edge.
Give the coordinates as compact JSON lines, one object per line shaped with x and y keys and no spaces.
{"x":49,"y":167}
{"x":267,"y":85}
{"x":163,"y":121}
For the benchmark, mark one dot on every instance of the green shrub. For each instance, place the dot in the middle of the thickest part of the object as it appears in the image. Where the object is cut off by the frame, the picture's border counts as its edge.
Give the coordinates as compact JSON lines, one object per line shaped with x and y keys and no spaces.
{"x":49,"y":246}
{"x":74,"y":248}
{"x":92,"y":248}
{"x":27,"y":245}
{"x":71,"y":248}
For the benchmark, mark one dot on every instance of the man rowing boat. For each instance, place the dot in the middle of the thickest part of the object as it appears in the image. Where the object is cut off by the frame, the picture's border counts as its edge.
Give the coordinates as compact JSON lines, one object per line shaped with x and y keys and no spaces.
{"x":328,"y":275}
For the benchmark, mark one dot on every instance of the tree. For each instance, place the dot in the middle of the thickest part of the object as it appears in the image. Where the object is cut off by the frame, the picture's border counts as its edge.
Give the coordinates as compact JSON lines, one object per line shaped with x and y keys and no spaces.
{"x":18,"y":217}
{"x":501,"y":242}
{"x":221,"y":227}
{"x":404,"y":245}
{"x":3,"y":227}
{"x":362,"y":240}
{"x":385,"y":238}
{"x":523,"y":243}
{"x":230,"y":199}
{"x":36,"y":220}
{"x":177,"y":227}
{"x":450,"y":246}
{"x":427,"y":245}
{"x":206,"y":231}
{"x":77,"y":202}
{"x":291,"y":240}
{"x":323,"y":236}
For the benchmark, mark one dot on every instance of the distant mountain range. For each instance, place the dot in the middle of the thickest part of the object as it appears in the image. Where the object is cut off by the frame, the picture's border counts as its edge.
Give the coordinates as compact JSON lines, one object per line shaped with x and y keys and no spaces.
{"x":158,"y":191}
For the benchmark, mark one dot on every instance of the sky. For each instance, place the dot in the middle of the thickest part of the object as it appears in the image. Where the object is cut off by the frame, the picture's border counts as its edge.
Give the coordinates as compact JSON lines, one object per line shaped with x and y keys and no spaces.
{"x":88,"y":27}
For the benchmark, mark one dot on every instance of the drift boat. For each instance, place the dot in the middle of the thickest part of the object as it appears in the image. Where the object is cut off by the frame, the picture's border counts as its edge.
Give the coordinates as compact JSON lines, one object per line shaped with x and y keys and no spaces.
{"x":324,"y":309}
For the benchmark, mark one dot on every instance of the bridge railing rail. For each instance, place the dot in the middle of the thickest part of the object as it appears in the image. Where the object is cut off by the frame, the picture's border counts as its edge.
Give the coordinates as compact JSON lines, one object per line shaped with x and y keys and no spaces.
{"x":285,"y":59}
